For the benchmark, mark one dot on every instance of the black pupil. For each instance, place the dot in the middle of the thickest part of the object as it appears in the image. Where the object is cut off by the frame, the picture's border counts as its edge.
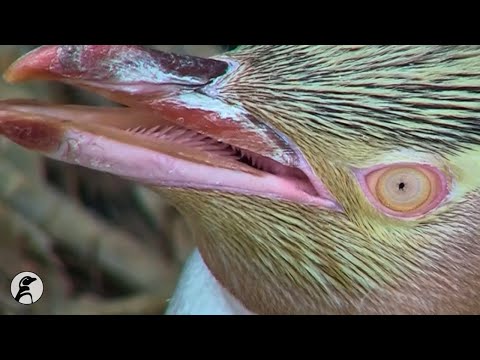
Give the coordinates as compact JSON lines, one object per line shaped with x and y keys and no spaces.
{"x":401,"y":186}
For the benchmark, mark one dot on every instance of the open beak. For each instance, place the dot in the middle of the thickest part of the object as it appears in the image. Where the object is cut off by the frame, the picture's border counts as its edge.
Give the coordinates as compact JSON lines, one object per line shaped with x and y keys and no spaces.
{"x":170,"y":132}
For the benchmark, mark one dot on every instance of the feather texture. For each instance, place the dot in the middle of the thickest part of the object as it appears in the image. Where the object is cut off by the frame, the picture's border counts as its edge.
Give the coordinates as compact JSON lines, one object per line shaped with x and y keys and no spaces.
{"x":352,"y":107}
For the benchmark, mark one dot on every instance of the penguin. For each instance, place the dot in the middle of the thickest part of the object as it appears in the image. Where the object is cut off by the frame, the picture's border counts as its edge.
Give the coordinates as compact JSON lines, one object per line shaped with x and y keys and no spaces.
{"x":24,"y":288}
{"x":333,"y":180}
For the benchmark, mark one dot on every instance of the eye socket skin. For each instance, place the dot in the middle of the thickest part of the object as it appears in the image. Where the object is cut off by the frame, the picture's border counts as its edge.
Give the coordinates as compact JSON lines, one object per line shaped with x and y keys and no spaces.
{"x":404,"y":190}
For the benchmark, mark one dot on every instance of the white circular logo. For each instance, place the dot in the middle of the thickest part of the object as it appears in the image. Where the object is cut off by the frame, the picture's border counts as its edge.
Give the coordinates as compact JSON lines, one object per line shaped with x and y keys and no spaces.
{"x":27,"y":288}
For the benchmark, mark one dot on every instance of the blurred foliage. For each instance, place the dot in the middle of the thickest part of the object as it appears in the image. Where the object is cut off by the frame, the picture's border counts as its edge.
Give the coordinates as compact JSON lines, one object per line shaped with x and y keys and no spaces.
{"x":101,"y":245}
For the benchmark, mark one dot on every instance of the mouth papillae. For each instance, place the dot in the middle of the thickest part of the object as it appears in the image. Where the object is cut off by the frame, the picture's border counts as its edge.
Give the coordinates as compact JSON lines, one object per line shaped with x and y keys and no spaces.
{"x":200,"y":142}
{"x":141,"y":146}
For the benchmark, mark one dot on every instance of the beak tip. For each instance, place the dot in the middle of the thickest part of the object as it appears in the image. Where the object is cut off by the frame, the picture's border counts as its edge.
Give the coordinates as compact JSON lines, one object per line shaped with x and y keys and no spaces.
{"x":32,"y":134}
{"x":9,"y":75}
{"x":34,"y":64}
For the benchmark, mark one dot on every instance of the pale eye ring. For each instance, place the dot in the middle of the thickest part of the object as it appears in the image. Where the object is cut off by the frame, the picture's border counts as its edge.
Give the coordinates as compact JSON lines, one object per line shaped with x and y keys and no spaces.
{"x":404,"y":189}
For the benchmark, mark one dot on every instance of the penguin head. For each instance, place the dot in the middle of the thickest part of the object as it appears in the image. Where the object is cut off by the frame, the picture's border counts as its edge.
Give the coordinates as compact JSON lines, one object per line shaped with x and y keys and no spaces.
{"x":27,"y":280}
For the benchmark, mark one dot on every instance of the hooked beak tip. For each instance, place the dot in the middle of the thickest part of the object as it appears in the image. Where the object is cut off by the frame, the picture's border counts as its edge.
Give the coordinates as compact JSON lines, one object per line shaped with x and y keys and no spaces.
{"x":116,"y":64}
{"x":33,"y":65}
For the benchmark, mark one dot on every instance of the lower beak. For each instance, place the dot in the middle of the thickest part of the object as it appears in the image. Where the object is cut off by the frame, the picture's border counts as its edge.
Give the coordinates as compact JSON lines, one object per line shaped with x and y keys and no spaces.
{"x":170,"y":134}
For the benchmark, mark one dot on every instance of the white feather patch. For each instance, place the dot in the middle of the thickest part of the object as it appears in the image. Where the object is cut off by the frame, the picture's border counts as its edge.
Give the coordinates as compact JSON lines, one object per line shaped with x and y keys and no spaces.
{"x":199,"y":293}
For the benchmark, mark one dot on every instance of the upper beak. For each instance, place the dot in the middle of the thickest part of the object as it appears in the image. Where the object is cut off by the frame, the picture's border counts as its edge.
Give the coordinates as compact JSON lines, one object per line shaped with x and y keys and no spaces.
{"x":172,"y":133}
{"x":123,"y":65}
{"x":169,"y":86}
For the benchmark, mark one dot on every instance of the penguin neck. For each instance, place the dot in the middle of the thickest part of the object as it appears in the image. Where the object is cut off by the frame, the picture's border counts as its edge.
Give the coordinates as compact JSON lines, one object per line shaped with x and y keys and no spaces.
{"x":199,"y":293}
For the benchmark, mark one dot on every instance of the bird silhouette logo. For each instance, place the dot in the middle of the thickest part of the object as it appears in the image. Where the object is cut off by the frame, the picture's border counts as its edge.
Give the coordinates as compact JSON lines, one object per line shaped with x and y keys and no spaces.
{"x":27,"y":288}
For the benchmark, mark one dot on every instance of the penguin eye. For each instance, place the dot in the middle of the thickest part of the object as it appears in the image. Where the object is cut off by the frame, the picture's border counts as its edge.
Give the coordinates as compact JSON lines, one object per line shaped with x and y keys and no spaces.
{"x":405,"y":190}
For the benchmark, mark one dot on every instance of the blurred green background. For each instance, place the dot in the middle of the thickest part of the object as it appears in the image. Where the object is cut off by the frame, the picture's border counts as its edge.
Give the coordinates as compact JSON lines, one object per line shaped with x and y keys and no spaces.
{"x":101,"y":245}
